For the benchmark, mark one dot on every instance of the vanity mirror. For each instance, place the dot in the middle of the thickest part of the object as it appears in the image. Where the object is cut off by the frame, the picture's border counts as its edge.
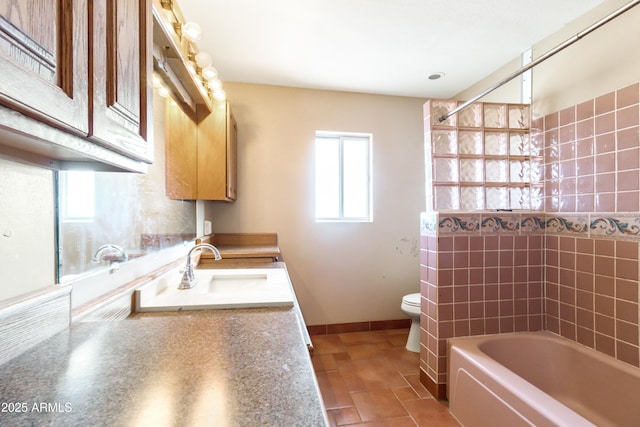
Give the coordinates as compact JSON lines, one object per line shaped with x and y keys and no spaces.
{"x":129,"y":211}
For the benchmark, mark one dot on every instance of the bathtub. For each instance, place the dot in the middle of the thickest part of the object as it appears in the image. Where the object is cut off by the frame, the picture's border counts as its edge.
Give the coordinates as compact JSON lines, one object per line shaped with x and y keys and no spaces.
{"x":539,"y":379}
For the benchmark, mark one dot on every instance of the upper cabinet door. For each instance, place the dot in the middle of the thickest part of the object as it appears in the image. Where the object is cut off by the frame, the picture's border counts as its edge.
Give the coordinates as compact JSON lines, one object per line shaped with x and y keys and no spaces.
{"x":121,"y":69}
{"x":43,"y":61}
{"x":217,"y":154}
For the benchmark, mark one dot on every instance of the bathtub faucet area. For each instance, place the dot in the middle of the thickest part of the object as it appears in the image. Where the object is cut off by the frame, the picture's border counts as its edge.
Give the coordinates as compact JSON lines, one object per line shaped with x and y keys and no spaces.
{"x":188,"y":277}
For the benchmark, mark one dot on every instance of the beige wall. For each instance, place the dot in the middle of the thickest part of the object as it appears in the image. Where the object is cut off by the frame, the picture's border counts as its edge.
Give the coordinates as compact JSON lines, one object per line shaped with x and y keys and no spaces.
{"x":27,"y":242}
{"x":603,"y":61}
{"x":341,"y":272}
{"x":509,"y":92}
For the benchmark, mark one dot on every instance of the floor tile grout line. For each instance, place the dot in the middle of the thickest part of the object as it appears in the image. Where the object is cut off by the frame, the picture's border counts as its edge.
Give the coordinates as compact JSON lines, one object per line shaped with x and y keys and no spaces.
{"x":410,"y":416}
{"x":396,"y":359}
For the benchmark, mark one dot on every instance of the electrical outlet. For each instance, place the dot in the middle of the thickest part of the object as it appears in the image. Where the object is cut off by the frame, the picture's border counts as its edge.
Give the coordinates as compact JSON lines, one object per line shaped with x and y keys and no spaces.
{"x":207,"y":228}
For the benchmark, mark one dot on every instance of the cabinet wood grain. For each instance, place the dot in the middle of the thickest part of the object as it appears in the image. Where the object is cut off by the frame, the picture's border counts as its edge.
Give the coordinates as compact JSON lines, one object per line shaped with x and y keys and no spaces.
{"x":121,"y":67}
{"x":217,"y":154}
{"x":44,"y":61}
{"x":181,"y":153}
{"x":202,"y":166}
{"x":75,"y":82}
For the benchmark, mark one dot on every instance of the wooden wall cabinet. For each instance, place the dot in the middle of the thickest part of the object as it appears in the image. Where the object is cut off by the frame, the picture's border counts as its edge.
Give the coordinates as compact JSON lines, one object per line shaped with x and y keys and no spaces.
{"x":76,"y":80}
{"x":205,"y":169}
{"x":122,"y":96}
{"x":217,"y":154}
{"x":44,"y":61}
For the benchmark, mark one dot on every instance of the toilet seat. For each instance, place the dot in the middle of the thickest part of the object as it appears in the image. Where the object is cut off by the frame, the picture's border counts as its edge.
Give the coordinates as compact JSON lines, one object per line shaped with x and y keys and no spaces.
{"x":412,"y":299}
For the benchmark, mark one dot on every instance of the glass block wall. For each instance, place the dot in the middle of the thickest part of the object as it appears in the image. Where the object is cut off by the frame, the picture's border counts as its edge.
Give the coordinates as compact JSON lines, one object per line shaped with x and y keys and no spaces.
{"x":481,"y":158}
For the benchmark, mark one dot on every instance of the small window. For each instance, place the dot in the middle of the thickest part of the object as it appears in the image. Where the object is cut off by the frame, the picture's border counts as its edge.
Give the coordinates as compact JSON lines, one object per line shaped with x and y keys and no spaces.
{"x":77,"y":195}
{"x":343,"y":177}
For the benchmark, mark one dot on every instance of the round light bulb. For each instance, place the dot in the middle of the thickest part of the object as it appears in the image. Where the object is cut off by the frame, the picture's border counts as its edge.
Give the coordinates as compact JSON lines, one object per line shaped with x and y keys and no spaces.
{"x":214,"y":84}
{"x":163,"y":91}
{"x":191,"y":31}
{"x":203,"y":59}
{"x":209,"y":73}
{"x":219,"y":94}
{"x":156,"y":81}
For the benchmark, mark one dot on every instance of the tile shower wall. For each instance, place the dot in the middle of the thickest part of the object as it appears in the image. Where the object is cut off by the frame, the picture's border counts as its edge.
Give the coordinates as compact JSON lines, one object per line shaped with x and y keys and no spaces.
{"x":592,"y":193}
{"x":592,"y":154}
{"x":573,"y":269}
{"x":481,"y":273}
{"x":591,"y":293}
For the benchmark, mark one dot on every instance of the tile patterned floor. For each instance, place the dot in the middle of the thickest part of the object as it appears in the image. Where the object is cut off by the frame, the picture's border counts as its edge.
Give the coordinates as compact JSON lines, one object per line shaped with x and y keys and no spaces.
{"x":370,"y":379}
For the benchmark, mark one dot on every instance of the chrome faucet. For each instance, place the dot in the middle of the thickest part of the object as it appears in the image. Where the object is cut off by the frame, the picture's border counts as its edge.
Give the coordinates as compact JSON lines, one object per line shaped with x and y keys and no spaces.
{"x":97,"y":257}
{"x":188,"y":277}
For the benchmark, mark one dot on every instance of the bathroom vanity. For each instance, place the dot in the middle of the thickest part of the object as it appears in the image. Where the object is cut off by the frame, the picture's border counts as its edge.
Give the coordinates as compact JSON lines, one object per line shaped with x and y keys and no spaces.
{"x":231,"y":367}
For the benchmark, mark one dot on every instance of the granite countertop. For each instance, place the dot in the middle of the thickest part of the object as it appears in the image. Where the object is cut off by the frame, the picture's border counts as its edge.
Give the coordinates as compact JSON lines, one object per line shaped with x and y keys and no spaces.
{"x":243,"y":367}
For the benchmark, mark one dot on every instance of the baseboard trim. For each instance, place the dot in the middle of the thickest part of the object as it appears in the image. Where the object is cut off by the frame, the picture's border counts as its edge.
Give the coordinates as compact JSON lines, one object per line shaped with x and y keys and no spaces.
{"x":373,"y":325}
{"x":437,"y":390}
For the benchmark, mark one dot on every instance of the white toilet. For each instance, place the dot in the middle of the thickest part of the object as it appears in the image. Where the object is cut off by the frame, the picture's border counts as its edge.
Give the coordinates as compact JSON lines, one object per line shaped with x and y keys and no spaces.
{"x":411,"y":307}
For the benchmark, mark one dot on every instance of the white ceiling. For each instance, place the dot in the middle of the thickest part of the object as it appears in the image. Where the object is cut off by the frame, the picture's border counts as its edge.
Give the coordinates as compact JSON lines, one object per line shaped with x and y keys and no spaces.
{"x":373,"y":46}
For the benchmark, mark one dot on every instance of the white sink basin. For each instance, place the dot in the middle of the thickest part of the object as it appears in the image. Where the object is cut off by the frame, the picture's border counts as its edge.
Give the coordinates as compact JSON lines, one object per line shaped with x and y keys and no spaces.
{"x":216,"y":289}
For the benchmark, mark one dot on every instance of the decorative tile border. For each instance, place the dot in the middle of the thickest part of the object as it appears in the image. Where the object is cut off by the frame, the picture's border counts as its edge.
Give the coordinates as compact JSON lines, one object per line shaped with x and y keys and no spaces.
{"x":481,"y":223}
{"x":428,"y":223}
{"x":596,"y":225}
{"x":587,"y":225}
{"x":618,"y":226}
{"x":500,"y":223}
{"x":532,"y":223}
{"x":459,"y":223}
{"x":567,"y":224}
